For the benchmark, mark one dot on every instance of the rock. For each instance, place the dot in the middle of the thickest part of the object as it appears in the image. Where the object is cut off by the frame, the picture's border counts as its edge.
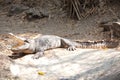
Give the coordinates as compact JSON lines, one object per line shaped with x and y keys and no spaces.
{"x":6,"y":2}
{"x":5,"y":72}
{"x":113,"y":28}
{"x":16,"y":9}
{"x":115,"y":76}
{"x":112,"y":74}
{"x":35,"y":13}
{"x":116,"y":29}
{"x":60,"y":64}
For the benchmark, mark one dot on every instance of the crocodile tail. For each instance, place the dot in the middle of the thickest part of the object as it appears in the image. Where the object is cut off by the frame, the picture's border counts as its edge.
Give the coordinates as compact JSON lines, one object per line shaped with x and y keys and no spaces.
{"x":98,"y":44}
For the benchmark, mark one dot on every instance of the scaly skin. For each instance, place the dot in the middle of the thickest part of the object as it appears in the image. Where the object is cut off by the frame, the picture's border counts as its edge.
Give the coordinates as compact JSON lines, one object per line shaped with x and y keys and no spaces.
{"x":43,"y":43}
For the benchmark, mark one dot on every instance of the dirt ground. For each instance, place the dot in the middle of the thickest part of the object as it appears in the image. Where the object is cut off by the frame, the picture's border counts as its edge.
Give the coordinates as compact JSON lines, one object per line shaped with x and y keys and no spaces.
{"x":85,"y":29}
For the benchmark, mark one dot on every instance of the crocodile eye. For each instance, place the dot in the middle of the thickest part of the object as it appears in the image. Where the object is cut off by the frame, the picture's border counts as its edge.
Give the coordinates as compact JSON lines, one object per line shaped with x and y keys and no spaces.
{"x":26,"y":41}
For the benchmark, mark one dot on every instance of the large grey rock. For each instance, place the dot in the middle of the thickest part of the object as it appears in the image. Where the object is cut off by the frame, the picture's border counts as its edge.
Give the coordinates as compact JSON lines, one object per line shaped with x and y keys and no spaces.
{"x":60,"y":64}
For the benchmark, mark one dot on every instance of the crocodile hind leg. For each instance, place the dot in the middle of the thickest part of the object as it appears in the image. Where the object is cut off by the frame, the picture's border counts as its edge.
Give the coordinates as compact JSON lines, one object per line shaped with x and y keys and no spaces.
{"x":69,"y":44}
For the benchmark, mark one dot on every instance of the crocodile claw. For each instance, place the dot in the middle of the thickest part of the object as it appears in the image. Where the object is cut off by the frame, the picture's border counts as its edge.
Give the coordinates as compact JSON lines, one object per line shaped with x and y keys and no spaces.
{"x":71,"y":48}
{"x":38,"y":55}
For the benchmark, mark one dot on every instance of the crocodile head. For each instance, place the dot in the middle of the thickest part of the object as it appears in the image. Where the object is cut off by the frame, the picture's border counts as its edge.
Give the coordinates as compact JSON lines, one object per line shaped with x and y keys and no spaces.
{"x":22,"y":48}
{"x":21,"y":45}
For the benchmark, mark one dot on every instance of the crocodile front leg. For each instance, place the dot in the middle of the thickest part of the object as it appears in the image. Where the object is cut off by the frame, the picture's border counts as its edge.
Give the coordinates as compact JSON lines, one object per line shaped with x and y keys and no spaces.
{"x":38,"y":55}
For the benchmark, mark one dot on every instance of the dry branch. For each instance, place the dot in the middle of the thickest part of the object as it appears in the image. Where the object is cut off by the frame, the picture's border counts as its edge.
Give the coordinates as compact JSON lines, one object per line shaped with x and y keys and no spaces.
{"x":83,"y":8}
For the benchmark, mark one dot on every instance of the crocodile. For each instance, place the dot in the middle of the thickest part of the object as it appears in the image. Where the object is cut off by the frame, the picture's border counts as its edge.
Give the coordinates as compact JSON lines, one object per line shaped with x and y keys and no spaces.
{"x":46,"y":42}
